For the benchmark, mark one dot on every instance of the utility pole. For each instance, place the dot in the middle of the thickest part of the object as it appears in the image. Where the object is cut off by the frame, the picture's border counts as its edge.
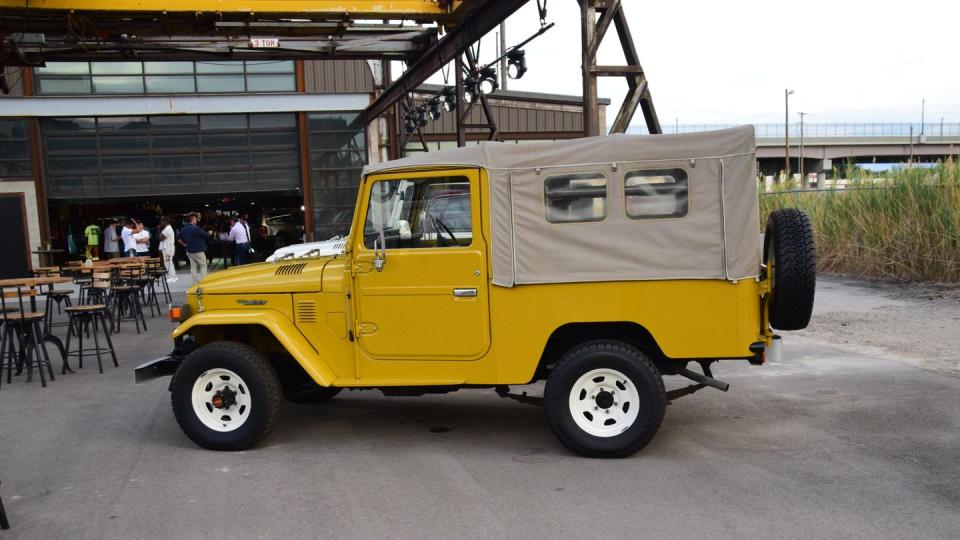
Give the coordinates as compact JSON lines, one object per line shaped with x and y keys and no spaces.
{"x":923,"y":114}
{"x":503,"y":50}
{"x":803,"y":182}
{"x":786,"y":131}
{"x":910,"y":161}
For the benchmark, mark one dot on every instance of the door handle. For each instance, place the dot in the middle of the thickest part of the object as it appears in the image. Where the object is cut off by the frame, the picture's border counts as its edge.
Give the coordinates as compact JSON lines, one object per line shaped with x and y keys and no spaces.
{"x":465,"y":293}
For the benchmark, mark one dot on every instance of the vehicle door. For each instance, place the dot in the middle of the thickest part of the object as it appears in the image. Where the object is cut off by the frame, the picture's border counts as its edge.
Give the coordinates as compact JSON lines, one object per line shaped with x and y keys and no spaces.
{"x":420,"y":268}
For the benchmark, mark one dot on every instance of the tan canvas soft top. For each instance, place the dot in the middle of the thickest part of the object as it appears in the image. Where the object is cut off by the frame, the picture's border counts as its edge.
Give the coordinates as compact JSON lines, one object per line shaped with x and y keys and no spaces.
{"x":716,"y":239}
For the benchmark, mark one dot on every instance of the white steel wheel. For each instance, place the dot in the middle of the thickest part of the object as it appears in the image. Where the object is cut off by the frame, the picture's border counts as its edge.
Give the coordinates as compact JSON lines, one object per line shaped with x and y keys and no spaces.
{"x":604,"y":398}
{"x":221,"y":400}
{"x":604,"y":402}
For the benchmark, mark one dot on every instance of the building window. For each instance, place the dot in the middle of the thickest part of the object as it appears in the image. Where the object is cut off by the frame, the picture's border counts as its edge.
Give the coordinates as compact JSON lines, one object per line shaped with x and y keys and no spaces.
{"x":575,"y":197}
{"x":166,"y":77}
{"x":14,"y":149}
{"x":171,"y":155}
{"x":338,"y":152}
{"x":660,"y":193}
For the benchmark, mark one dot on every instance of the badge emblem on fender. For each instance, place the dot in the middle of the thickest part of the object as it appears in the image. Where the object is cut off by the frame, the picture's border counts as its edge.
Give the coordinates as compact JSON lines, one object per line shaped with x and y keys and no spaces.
{"x":244,"y":302}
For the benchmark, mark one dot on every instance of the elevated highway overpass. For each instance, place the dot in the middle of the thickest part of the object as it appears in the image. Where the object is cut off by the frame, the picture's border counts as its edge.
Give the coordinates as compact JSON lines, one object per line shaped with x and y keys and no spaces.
{"x":828,"y":145}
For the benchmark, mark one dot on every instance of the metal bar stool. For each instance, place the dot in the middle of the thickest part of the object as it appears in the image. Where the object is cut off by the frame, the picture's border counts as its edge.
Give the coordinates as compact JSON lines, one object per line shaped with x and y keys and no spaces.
{"x":101,"y":290}
{"x":126,"y":299}
{"x":22,"y":345}
{"x":159,"y":274}
{"x":81,"y":319}
{"x":60,"y":297}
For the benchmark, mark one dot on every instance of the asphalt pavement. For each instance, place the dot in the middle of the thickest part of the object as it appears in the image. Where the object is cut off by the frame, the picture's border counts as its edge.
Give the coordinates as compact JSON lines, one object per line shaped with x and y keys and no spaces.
{"x":835,"y":441}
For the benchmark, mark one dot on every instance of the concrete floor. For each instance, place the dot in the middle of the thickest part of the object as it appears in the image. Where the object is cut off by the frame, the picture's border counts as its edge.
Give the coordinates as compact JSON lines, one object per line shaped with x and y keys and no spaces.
{"x":834,"y":442}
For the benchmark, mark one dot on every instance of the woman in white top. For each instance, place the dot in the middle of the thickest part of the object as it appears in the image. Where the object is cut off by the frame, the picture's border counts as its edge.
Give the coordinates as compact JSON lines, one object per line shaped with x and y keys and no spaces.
{"x":142,"y":238}
{"x":167,"y":247}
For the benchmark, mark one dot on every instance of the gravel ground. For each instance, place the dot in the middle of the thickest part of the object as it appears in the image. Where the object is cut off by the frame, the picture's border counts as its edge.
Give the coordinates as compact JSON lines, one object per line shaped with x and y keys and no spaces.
{"x":917,"y":323}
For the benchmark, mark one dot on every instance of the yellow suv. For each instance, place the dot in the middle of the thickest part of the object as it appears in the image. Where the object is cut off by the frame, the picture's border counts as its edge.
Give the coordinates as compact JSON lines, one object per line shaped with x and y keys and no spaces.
{"x":599,"y":265}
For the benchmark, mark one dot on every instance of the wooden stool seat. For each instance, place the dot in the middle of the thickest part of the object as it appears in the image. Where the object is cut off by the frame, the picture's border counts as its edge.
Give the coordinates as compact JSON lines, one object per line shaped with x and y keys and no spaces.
{"x":27,"y":316}
{"x":85,"y":308}
{"x":59,"y":292}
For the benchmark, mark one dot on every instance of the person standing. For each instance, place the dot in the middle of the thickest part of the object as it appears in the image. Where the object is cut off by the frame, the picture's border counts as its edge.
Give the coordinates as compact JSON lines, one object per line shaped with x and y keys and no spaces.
{"x":110,"y":247}
{"x":194,"y":240}
{"x":126,"y":235}
{"x":92,"y":234}
{"x":142,"y":239}
{"x":240,"y":234}
{"x":167,"y":247}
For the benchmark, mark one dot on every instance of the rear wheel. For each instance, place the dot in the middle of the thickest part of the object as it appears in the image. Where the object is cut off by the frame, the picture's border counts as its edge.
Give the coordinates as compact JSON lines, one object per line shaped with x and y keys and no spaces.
{"x":791,"y":256}
{"x":226,"y":396}
{"x":605,"y":399}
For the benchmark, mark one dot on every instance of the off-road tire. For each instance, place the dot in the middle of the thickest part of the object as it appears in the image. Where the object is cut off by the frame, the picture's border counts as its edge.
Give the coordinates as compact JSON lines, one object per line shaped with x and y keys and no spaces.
{"x":789,"y":241}
{"x":261,"y":381}
{"x":314,"y":396}
{"x":625,"y":359}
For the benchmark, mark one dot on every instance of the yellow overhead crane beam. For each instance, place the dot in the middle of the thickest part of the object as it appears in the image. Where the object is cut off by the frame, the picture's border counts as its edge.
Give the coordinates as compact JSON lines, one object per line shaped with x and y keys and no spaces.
{"x":436,"y":10}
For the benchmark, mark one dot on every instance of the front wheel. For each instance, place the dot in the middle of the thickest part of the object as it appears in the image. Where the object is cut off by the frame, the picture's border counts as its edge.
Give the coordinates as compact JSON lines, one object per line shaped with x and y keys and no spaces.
{"x":605,"y":399}
{"x":226,"y":396}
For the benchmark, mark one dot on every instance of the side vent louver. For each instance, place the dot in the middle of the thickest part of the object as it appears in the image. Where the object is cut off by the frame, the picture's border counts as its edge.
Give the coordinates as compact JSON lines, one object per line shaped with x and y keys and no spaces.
{"x":290,"y":269}
{"x":306,"y":312}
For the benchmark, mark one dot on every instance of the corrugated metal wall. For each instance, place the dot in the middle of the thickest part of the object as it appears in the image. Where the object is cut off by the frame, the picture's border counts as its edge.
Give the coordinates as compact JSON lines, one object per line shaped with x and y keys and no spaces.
{"x":516,"y":116}
{"x":15,"y":80}
{"x":337,"y":77}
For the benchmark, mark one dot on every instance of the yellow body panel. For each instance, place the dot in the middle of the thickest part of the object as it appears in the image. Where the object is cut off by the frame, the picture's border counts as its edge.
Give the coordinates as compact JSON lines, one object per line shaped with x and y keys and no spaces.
{"x":404,"y":327}
{"x":280,"y":326}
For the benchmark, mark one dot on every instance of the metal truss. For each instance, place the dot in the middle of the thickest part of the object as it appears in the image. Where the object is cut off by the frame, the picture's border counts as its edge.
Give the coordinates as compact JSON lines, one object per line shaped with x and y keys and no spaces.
{"x":592,"y":32}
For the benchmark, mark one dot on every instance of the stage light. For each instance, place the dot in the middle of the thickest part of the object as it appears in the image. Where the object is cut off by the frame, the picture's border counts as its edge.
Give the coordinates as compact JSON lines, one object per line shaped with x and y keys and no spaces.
{"x":487,"y":81}
{"x":517,"y":63}
{"x":410,"y":123}
{"x":448,"y":98}
{"x":435,"y":109}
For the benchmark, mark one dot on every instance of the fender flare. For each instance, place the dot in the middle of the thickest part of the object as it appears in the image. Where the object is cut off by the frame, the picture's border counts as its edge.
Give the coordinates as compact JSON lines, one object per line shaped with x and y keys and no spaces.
{"x":310,"y":359}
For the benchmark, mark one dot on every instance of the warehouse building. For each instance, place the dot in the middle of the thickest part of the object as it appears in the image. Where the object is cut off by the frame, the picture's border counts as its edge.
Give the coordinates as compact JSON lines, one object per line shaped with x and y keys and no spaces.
{"x":284,"y":141}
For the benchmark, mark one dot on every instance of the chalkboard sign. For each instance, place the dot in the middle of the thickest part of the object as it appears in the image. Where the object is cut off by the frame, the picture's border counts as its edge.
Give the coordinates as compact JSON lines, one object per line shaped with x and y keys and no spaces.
{"x":13,"y":237}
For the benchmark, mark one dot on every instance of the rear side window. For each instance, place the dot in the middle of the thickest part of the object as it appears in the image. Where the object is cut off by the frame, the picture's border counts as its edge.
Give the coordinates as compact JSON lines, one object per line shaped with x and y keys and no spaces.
{"x":579,"y":197}
{"x":659,"y":193}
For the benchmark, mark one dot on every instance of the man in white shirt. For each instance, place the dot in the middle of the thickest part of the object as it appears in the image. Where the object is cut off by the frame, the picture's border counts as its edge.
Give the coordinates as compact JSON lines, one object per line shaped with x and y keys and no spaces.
{"x":240,"y":234}
{"x":141,"y":238}
{"x":126,"y":235}
{"x":166,"y":249}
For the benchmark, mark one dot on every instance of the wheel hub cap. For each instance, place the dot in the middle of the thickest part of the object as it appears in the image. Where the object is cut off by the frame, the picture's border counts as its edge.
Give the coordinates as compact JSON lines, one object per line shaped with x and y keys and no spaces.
{"x":604,"y":399}
{"x":221,"y":400}
{"x":604,"y":402}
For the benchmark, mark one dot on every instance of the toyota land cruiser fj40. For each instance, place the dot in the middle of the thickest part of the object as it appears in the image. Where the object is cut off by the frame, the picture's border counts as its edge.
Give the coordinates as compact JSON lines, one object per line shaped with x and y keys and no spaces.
{"x":599,"y":265}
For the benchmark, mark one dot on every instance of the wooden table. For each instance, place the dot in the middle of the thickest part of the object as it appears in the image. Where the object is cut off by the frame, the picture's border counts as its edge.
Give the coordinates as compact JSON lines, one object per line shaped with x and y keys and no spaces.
{"x":31,"y":282}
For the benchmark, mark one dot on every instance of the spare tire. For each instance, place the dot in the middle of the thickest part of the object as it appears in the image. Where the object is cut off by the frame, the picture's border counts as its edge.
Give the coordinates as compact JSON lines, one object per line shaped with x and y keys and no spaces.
{"x":790,"y":254}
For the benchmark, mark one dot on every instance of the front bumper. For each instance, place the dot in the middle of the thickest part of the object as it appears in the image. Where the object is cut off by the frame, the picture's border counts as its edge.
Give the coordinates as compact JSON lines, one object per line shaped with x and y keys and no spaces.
{"x":153,"y":369}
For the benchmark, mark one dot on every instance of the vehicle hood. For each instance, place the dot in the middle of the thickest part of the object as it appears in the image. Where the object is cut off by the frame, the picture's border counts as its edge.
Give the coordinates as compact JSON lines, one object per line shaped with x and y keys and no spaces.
{"x":301,"y":275}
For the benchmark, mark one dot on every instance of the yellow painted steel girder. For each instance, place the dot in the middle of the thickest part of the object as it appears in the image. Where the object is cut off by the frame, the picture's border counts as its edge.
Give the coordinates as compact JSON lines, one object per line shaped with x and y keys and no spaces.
{"x":419,"y":9}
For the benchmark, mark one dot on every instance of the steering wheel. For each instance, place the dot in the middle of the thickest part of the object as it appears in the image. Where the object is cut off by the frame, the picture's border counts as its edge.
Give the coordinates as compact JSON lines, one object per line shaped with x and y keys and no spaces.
{"x":440,"y":226}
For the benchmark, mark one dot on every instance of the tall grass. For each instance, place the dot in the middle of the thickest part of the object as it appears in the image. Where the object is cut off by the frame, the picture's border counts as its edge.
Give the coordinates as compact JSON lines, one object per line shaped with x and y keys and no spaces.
{"x":904,"y":225}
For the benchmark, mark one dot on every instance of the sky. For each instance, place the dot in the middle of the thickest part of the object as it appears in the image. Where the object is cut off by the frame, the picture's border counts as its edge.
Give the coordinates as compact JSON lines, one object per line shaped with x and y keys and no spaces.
{"x":729,"y":62}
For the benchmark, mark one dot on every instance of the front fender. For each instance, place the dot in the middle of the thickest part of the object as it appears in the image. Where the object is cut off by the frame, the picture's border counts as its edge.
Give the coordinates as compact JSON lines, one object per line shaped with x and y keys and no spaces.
{"x":281,"y":327}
